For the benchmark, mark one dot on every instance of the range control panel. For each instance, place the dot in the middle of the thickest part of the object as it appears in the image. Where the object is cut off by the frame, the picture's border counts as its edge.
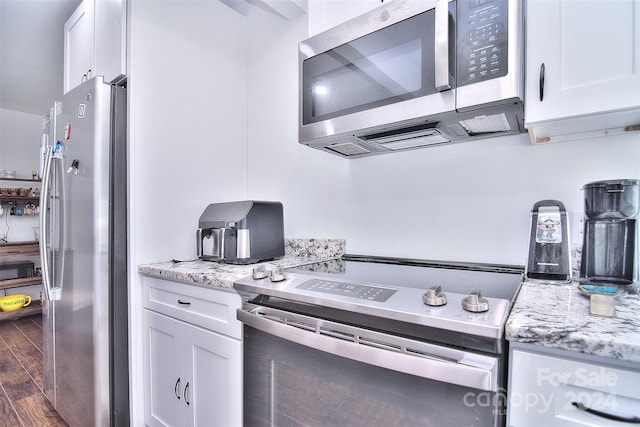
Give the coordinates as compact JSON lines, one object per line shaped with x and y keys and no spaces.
{"x":483,"y":28}
{"x":350,"y":290}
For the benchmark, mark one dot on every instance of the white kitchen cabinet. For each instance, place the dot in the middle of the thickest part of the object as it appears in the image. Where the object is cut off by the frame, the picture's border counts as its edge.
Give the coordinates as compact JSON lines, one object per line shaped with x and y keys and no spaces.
{"x":325,"y":14}
{"x":582,"y":68}
{"x":95,"y":42}
{"x":79,"y":41}
{"x":192,"y":373}
{"x":545,"y":387}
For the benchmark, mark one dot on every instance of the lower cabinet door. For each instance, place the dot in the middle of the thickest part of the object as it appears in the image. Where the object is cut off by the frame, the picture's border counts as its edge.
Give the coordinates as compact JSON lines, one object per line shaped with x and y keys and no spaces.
{"x":162,"y":370}
{"x":213,"y":394}
{"x":193,"y":376}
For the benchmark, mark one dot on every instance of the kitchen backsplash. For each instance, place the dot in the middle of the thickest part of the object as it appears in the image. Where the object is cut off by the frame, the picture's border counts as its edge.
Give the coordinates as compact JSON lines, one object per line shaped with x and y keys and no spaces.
{"x":314,"y":248}
{"x":332,"y":248}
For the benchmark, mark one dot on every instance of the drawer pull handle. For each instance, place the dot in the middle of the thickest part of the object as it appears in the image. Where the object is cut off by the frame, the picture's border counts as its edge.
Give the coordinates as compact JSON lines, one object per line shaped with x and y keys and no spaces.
{"x":175,"y":388}
{"x":183,"y":302}
{"x":541,"y":82}
{"x":582,"y":407}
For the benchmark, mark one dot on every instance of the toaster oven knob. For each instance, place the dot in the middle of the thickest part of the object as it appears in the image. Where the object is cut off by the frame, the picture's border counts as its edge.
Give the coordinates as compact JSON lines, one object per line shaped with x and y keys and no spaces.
{"x":259,"y":272}
{"x":475,"y":303}
{"x":277,"y":274}
{"x":434,"y":297}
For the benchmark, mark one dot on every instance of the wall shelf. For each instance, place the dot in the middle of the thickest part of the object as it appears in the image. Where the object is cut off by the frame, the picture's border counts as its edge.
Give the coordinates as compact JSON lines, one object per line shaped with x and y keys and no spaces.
{"x":23,"y":281}
{"x":20,"y":179}
{"x":18,"y":201}
{"x":15,"y":199}
{"x":34,"y":308}
{"x":20,"y":250}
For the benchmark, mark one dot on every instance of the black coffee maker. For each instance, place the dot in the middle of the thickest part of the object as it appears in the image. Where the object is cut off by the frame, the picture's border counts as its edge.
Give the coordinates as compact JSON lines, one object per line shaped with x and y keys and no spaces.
{"x":611,"y":232}
{"x":549,"y":249}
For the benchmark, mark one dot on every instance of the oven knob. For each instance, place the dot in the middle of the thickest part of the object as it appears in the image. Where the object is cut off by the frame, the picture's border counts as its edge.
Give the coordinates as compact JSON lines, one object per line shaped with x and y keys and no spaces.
{"x":434,"y":296}
{"x":475,"y":303}
{"x":277,"y":274}
{"x":259,"y":272}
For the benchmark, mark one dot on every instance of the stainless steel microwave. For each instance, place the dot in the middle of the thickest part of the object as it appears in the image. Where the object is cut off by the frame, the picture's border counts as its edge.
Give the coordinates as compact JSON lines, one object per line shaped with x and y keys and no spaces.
{"x":411,"y":74}
{"x":16,"y":269}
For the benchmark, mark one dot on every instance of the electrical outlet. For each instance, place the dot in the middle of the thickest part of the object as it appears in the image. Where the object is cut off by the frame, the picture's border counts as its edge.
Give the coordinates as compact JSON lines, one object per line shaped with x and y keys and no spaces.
{"x":576,"y":227}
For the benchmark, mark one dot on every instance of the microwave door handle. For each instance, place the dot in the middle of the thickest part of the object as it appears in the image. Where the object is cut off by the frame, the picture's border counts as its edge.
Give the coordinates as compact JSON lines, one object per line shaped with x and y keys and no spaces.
{"x":441,"y":45}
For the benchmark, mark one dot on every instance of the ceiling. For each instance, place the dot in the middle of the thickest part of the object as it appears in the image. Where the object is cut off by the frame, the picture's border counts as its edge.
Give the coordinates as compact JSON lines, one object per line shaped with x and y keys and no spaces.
{"x":31,"y":53}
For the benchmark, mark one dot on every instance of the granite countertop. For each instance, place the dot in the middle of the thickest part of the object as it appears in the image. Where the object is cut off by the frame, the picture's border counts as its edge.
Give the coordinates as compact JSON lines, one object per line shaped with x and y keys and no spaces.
{"x":557,"y":316}
{"x":215,"y":274}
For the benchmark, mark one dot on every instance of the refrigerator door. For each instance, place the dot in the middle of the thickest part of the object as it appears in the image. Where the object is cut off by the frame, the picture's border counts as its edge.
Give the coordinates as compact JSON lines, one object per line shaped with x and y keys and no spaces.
{"x":80,"y":319}
{"x":50,"y":243}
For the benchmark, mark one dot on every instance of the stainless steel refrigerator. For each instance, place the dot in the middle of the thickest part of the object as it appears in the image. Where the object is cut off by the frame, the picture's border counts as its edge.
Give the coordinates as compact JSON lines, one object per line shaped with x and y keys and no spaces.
{"x":83,"y":251}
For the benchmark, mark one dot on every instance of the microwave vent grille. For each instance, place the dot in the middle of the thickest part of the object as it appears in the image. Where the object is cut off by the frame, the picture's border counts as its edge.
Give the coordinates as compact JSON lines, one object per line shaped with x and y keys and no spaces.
{"x":407,"y":137}
{"x":424,"y":129}
{"x":486,"y":124}
{"x":348,"y":149}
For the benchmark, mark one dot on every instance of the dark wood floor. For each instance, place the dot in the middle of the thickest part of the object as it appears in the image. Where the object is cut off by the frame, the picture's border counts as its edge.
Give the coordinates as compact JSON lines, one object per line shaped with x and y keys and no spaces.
{"x":22,"y":400}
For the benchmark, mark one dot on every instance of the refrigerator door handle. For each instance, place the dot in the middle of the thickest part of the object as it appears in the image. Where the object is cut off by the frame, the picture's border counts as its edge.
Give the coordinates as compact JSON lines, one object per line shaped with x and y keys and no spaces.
{"x":51,"y":290}
{"x":44,"y":225}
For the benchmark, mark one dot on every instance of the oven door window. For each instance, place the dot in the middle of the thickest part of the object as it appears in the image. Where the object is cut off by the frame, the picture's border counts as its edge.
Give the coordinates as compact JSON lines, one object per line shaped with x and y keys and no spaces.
{"x":390,"y":65}
{"x":287,"y":384}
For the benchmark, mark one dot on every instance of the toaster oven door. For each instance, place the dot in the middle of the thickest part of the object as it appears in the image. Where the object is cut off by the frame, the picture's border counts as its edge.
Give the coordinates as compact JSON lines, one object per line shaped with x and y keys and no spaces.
{"x":210,"y":243}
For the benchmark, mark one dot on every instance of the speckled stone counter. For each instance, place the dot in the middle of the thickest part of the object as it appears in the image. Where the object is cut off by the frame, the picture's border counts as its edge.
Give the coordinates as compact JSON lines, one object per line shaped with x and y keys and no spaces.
{"x":557,"y":316}
{"x":297,"y":252}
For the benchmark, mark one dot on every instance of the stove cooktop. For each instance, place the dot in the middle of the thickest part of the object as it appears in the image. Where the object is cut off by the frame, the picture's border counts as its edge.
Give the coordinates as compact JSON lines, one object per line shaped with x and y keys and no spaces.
{"x":496,"y":281}
{"x":469,"y":298}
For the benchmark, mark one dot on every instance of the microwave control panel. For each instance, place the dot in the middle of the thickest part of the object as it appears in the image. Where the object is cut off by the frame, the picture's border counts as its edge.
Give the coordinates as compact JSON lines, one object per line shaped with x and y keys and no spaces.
{"x":483,"y":28}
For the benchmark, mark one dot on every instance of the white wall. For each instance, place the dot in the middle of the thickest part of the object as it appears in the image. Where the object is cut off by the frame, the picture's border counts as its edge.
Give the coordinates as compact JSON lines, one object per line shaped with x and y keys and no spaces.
{"x":468,"y":202}
{"x":187,"y":134}
{"x":19,"y":141}
{"x":213,"y":117}
{"x":187,"y":114}
{"x":20,"y":135}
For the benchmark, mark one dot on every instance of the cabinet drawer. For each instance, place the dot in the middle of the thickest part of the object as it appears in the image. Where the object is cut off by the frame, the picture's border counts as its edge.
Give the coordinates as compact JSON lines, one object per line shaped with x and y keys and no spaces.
{"x":209,"y":308}
{"x":544,"y":390}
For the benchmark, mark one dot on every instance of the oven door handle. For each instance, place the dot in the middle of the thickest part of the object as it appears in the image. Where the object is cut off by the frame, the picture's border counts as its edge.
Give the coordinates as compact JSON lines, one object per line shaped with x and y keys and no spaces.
{"x":378,"y":349}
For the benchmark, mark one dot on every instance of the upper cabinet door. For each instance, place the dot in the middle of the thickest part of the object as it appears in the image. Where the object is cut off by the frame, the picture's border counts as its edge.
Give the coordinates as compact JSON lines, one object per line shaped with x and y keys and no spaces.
{"x":583,"y":58}
{"x":79,"y":42}
{"x":111,"y":39}
{"x":325,"y":14}
{"x":95,"y":43}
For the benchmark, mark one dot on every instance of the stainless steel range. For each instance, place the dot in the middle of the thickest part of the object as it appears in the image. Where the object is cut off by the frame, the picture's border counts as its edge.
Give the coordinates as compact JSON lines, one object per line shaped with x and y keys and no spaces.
{"x":376,"y":341}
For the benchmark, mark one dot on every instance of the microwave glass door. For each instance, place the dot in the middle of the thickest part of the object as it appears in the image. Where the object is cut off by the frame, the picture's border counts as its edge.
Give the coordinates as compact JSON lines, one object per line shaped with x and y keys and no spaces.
{"x":393,"y":64}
